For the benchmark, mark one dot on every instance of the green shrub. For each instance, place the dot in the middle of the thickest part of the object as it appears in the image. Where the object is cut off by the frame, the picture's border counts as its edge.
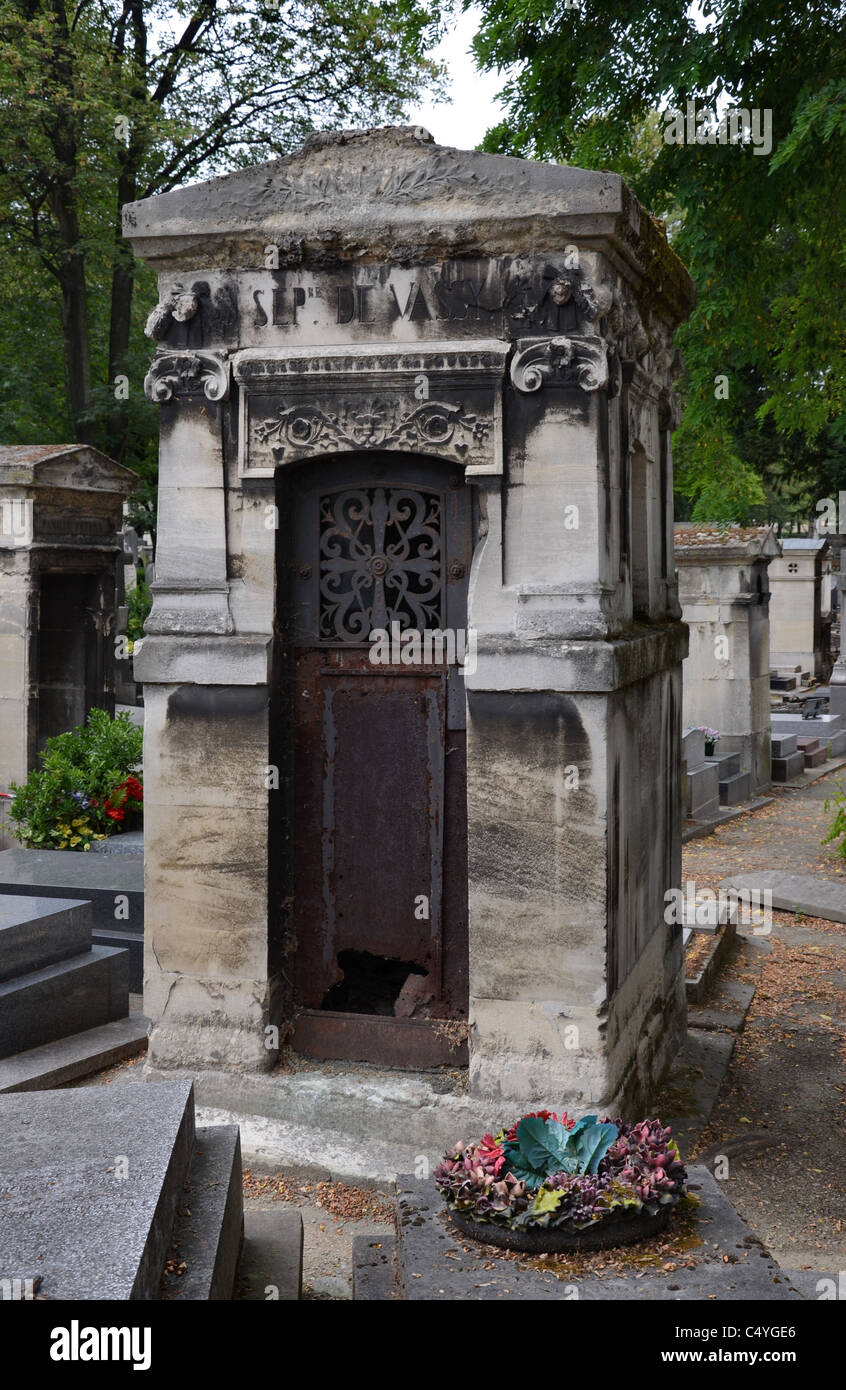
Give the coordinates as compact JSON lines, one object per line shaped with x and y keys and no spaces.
{"x":85,"y":789}
{"x":838,"y":826}
{"x":139,"y":601}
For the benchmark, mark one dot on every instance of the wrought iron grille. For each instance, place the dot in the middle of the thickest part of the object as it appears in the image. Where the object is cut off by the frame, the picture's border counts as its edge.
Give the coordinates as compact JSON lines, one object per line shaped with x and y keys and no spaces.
{"x":381,"y":560}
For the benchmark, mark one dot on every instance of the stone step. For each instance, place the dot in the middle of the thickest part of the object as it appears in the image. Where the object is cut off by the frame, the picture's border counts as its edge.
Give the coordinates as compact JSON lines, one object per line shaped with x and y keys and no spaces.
{"x":36,"y":932}
{"x":702,"y":786}
{"x":807,"y":744}
{"x":815,"y":757}
{"x":783,"y":746}
{"x":374,"y":1269}
{"x":75,"y":994}
{"x":93,"y":1177}
{"x":435,"y":1262}
{"x":786,"y":769}
{"x":736,"y":788}
{"x":112,"y":883}
{"x":837,"y":745}
{"x":272,"y":1254}
{"x":133,"y":944}
{"x":707,"y":810}
{"x":208,"y":1228}
{"x":728,"y":763}
{"x":69,"y":1059}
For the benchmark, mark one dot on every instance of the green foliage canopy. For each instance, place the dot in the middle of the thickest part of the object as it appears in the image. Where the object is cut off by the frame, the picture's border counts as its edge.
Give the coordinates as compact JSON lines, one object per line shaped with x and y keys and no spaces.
{"x":761,"y":234}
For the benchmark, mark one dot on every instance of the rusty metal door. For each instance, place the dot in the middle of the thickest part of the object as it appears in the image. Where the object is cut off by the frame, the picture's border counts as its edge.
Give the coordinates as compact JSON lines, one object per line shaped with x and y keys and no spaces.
{"x":380,"y":543}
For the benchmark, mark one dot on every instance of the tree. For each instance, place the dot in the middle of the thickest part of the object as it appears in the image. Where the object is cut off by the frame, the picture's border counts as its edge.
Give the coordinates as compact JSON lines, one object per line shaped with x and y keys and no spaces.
{"x":106,"y":101}
{"x":759,"y":231}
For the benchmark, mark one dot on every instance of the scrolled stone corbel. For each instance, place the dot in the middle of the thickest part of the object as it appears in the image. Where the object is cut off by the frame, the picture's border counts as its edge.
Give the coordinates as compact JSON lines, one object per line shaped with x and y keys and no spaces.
{"x":187,"y":374}
{"x":570,"y":361}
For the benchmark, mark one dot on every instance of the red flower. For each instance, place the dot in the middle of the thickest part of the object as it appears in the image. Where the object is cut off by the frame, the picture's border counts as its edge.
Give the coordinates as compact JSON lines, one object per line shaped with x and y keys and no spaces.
{"x":115,"y":813}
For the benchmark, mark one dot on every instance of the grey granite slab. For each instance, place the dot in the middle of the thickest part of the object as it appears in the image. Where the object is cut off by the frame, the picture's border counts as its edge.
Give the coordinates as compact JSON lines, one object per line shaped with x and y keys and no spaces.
{"x":131,"y":842}
{"x":806,"y":893}
{"x":209,"y":1227}
{"x":374,"y":1269}
{"x":66,"y":868}
{"x":436,"y":1262}
{"x":65,"y":998}
{"x":66,"y":1211}
{"x":35,"y":932}
{"x":272,"y":1258}
{"x":68,"y":1059}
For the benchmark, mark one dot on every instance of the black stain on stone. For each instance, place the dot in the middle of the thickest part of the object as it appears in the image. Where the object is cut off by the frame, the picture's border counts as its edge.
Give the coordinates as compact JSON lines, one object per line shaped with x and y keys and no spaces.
{"x":218,"y":703}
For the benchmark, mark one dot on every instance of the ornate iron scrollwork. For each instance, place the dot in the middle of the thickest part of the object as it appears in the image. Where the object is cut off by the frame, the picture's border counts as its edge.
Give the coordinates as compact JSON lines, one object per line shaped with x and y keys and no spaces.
{"x":381,"y":558}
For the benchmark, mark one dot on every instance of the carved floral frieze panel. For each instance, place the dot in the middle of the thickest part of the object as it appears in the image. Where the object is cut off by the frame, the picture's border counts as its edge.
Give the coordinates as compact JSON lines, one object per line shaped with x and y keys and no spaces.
{"x":443,"y":400}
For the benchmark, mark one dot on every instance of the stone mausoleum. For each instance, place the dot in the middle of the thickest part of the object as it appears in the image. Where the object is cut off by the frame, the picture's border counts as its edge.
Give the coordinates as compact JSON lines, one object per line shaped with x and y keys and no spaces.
{"x":412,"y":390}
{"x":61,"y":509}
{"x":725,"y":598}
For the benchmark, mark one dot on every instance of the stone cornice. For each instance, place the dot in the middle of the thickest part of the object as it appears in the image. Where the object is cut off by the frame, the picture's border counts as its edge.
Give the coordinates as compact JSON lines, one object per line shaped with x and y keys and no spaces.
{"x":393,"y":194}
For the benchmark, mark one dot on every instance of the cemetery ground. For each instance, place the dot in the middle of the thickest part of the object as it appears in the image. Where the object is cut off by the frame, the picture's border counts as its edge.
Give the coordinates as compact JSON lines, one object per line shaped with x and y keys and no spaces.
{"x":779,"y":1116}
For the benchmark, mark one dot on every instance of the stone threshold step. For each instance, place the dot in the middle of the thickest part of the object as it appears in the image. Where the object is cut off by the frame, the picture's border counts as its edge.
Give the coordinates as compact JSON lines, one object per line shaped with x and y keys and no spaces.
{"x":435,"y":1262}
{"x":56,"y":1063}
{"x":272,"y":1257}
{"x":697,"y":830}
{"x":208,"y":1229}
{"x":813,"y":774}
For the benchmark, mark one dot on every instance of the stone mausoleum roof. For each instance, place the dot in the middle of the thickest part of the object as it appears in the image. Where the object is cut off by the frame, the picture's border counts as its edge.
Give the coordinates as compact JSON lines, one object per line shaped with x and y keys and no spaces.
{"x":694,"y":542}
{"x":76,"y":466}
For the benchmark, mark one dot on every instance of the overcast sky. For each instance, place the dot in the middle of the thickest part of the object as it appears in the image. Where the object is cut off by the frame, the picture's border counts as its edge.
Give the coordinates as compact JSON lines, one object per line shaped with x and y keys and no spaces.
{"x":462,"y":121}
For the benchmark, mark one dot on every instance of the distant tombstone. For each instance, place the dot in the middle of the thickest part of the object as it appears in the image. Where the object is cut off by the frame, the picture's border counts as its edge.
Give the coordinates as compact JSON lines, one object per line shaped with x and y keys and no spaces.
{"x":60,"y":514}
{"x":409,"y":390}
{"x":797,"y":631}
{"x":725,"y":598}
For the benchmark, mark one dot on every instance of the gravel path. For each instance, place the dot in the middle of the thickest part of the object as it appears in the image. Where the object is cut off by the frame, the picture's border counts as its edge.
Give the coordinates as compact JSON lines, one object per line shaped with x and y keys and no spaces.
{"x":781,"y":1115}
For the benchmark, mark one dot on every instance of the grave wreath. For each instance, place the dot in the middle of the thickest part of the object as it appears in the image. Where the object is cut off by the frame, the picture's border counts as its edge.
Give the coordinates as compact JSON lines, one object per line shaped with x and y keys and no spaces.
{"x":548,"y":1184}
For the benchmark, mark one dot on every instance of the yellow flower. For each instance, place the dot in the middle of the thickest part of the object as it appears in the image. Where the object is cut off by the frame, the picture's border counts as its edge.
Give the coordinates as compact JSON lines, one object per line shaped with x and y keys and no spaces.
{"x":63,"y":844}
{"x":75,"y":839}
{"x":100,"y":837}
{"x":76,"y":822}
{"x":88,"y":846}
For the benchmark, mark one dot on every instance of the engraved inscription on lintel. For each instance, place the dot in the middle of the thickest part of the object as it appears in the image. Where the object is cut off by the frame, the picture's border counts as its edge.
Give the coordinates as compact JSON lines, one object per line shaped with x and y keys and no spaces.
{"x":505,"y":298}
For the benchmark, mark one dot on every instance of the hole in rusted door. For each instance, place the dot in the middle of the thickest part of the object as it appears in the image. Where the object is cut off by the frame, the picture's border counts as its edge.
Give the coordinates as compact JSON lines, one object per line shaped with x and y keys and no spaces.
{"x":379,"y":543}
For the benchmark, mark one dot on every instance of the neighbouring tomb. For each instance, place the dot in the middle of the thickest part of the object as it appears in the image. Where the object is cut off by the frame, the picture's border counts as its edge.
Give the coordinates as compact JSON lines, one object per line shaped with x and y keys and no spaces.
{"x":797,"y":631}
{"x":60,"y":513}
{"x":725,"y":597}
{"x":426,"y":395}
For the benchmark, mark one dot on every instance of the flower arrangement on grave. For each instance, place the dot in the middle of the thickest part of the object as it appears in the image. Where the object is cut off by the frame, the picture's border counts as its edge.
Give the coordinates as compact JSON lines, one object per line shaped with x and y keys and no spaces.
{"x":711,"y":736}
{"x":86,"y":789}
{"x":563,"y":1174}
